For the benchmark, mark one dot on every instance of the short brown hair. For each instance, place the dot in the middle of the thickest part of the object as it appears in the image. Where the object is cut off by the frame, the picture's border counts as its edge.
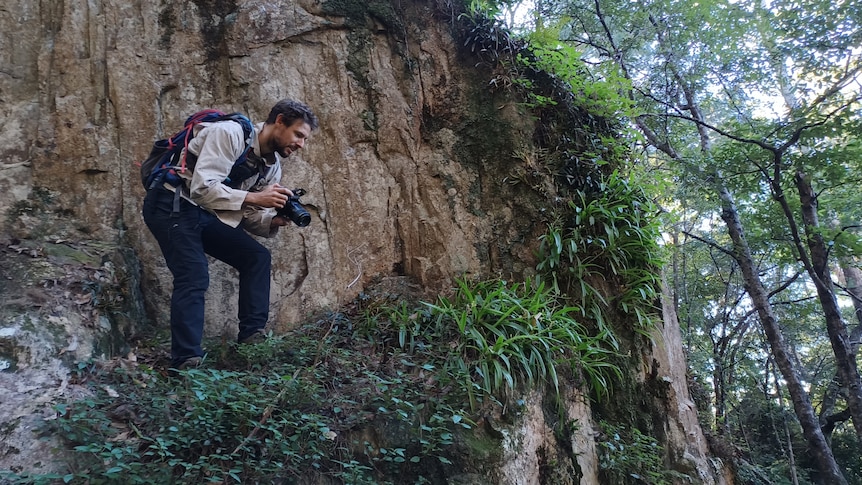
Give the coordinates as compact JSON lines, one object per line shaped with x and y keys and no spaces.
{"x":291,"y":111}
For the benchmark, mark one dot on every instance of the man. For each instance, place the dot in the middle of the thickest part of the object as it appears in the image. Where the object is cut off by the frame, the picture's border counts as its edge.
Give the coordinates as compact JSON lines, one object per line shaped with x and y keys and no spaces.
{"x":208,"y":216}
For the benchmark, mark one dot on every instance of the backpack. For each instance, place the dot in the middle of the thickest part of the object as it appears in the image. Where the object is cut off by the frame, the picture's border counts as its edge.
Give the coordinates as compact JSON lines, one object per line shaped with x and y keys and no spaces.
{"x":168,"y":156}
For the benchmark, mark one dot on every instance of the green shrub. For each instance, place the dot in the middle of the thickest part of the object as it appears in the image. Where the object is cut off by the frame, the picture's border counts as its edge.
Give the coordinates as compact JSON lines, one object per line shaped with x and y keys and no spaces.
{"x":293,"y":406}
{"x":207,"y":426}
{"x":629,"y":456}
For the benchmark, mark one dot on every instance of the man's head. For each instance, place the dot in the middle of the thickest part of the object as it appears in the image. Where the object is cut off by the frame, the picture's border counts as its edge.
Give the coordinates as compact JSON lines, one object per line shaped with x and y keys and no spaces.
{"x":287,"y":128}
{"x":291,"y":111}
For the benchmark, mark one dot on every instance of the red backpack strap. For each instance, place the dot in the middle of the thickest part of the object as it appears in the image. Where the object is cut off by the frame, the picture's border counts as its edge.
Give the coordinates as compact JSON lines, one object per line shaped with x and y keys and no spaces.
{"x":199,"y":117}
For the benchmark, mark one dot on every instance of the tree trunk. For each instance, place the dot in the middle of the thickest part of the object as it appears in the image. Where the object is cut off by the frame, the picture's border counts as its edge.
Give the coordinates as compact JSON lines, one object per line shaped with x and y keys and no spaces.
{"x":791,"y":456}
{"x":817,"y":443}
{"x":853,"y":277}
{"x":719,"y":385}
{"x":828,"y":416}
{"x":845,"y":357}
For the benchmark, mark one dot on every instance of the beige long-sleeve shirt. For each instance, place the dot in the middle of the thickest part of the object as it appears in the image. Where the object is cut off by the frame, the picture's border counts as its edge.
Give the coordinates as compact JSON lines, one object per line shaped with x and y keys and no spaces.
{"x":217,"y":146}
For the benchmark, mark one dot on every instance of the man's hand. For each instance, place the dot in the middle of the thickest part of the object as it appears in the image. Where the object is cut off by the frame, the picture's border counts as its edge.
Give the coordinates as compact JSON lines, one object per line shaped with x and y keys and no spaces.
{"x":273,"y":196}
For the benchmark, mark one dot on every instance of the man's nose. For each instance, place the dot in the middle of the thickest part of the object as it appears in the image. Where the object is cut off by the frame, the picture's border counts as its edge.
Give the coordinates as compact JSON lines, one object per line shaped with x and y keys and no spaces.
{"x":300,"y":142}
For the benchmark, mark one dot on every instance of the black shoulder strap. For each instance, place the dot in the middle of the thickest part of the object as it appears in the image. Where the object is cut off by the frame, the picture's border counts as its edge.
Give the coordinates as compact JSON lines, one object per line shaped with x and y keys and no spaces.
{"x":241,"y":171}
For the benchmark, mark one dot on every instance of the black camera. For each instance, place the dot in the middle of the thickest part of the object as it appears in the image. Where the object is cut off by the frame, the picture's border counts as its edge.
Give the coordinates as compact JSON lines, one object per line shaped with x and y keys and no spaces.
{"x":294,"y":210}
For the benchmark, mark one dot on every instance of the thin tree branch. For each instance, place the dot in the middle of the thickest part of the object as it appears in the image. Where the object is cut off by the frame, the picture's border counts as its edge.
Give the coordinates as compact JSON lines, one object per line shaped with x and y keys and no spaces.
{"x":712,"y":244}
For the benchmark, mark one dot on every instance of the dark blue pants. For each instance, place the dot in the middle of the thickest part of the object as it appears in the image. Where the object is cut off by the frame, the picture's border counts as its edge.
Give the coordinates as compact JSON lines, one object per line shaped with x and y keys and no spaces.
{"x":186,"y":234}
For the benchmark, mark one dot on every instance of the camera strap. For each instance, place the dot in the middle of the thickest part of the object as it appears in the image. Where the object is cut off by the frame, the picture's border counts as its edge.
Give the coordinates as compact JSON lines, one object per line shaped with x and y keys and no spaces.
{"x":254,"y":165}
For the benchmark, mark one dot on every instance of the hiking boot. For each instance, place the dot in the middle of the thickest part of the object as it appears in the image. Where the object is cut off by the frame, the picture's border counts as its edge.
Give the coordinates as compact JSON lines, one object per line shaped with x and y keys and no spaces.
{"x":190,"y":363}
{"x":258,"y":337}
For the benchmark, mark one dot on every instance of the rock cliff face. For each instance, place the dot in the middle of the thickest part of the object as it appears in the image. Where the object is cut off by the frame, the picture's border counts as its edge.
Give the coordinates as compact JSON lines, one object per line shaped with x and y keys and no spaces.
{"x":91,"y":84}
{"x":410,"y":174}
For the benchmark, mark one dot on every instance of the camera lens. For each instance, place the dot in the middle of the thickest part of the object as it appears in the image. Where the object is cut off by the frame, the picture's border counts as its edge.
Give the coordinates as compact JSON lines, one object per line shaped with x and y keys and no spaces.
{"x":297,"y":213}
{"x":303,"y":219}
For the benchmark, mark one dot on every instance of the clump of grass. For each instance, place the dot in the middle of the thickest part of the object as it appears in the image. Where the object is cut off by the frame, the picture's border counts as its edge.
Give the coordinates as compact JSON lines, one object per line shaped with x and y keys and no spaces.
{"x":514,"y":335}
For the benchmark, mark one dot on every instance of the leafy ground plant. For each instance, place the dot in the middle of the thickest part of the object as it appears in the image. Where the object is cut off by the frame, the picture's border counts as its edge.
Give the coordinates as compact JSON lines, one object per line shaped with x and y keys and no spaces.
{"x":609,"y":236}
{"x":514,"y":335}
{"x":309,"y":405}
{"x":203,"y":426}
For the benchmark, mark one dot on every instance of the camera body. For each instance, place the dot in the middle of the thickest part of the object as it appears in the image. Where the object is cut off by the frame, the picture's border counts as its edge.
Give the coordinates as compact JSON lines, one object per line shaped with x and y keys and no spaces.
{"x":294,"y":210}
